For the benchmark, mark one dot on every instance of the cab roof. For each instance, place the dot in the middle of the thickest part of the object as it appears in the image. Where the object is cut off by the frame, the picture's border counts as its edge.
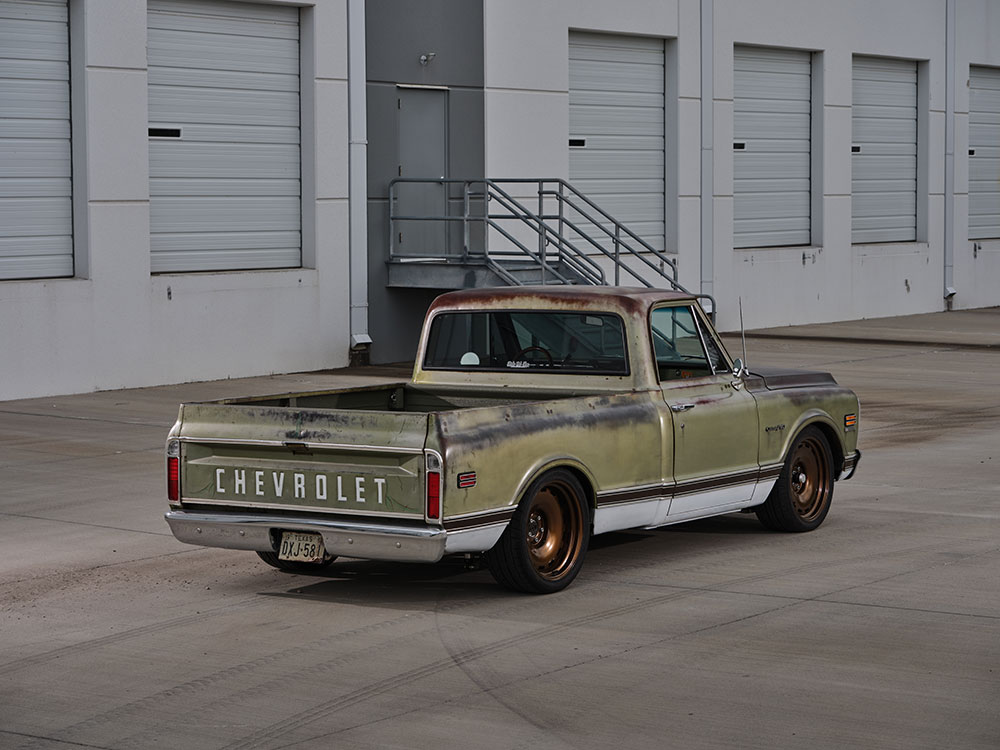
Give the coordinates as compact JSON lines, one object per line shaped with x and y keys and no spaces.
{"x":627,"y":299}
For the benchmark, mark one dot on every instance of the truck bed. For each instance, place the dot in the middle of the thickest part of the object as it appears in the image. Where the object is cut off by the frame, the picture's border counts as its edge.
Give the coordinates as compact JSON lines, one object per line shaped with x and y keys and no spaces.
{"x":402,"y":397}
{"x":357,"y":451}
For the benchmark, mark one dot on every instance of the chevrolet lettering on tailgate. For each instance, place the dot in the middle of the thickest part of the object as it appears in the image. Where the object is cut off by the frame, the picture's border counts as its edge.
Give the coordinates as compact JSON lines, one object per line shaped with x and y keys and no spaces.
{"x":535,"y":418}
{"x":285,"y":485}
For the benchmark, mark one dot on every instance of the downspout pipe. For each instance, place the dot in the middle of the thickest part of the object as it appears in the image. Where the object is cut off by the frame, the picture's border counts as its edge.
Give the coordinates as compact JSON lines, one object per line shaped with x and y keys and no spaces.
{"x":707,"y":151}
{"x":357,"y":178}
{"x":949,"y":155}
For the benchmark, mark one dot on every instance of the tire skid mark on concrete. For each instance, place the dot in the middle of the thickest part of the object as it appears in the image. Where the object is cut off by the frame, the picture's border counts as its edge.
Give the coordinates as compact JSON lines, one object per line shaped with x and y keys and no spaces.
{"x":277,"y":680}
{"x":261,"y":737}
{"x":458,"y":658}
{"x":192,"y":687}
{"x":490,"y":682}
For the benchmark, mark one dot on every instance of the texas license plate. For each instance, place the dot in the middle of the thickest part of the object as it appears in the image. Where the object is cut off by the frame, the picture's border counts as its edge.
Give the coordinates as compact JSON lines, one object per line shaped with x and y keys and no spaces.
{"x":301,"y":547}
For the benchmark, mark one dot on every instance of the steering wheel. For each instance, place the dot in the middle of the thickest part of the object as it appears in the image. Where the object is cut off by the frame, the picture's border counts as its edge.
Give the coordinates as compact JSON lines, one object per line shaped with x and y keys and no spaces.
{"x":527,"y":349}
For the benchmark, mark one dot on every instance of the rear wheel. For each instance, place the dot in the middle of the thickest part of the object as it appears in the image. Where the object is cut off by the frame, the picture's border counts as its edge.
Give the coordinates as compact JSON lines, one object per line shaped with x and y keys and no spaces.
{"x":802,"y":495}
{"x":542,"y":549}
{"x":295,"y":566}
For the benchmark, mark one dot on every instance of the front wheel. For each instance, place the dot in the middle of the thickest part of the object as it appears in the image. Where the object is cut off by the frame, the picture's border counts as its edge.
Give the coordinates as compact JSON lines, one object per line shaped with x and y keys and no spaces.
{"x":294,"y":566}
{"x":802,"y":495}
{"x":542,"y":549}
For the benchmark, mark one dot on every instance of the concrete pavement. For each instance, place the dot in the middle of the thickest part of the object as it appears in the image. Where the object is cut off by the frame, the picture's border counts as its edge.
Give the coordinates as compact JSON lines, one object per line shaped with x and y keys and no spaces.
{"x":978,"y":329}
{"x":879,"y":630}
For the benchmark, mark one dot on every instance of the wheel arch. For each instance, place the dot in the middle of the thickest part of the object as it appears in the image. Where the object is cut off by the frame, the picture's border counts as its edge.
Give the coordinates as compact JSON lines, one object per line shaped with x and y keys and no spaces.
{"x":574,"y":466}
{"x":832,"y":440}
{"x":825,"y":424}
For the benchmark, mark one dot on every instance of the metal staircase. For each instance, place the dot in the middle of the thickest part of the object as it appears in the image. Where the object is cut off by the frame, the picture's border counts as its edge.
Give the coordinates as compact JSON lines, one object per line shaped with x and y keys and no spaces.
{"x":453,"y":234}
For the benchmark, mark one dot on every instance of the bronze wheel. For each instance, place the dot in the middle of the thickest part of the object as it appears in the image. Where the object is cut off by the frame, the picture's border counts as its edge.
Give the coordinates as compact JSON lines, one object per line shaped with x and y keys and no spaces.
{"x":802,"y":495}
{"x":809,"y":478}
{"x":542,"y":549}
{"x":555,"y":529}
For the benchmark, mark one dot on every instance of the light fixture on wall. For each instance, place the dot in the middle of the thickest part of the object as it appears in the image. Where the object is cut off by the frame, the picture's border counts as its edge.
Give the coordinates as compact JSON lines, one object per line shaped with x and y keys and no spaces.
{"x":427,"y":57}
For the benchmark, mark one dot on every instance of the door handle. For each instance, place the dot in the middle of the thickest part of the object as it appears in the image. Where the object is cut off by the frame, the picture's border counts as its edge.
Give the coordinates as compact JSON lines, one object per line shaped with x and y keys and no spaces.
{"x":681,"y":407}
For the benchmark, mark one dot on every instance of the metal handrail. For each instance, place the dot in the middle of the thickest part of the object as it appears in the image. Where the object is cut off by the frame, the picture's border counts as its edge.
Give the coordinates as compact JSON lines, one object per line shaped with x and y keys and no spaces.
{"x":550,"y":228}
{"x":582,"y":264}
{"x":595,"y":273}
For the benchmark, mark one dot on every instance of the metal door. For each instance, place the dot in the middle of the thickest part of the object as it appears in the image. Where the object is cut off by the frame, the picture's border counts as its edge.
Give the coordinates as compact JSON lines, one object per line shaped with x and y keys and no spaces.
{"x":422,"y":131}
{"x":772,"y":91}
{"x":884,"y":150}
{"x":224,"y":154}
{"x":984,"y":153}
{"x":714,"y":418}
{"x":616,"y":129}
{"x":36,"y":219}
{"x":715,"y":445}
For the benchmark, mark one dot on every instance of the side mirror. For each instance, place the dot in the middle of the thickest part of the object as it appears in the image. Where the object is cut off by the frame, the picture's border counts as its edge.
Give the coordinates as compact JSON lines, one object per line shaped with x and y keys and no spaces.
{"x":739,"y":368}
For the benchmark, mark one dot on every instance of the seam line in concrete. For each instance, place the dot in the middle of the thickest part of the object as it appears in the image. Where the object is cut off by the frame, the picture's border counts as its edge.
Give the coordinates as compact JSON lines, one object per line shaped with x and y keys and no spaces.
{"x":84,"y":523}
{"x":83,"y":419}
{"x":862,"y":340}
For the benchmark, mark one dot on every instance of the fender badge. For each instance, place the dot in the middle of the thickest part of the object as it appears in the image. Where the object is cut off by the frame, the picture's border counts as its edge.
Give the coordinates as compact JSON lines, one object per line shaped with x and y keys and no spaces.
{"x":467,"y":480}
{"x":774,"y":428}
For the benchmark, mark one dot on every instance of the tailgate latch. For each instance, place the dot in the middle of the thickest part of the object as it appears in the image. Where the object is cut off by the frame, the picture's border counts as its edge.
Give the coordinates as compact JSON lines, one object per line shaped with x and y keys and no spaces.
{"x":299,"y":449}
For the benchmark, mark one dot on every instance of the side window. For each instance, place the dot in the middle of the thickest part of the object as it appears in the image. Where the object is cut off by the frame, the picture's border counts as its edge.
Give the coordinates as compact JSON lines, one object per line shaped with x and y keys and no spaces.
{"x":677,"y":345}
{"x":715,"y":355}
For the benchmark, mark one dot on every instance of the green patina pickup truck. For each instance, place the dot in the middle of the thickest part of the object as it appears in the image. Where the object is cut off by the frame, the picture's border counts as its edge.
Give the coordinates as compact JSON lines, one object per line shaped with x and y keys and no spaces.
{"x":535,"y":418}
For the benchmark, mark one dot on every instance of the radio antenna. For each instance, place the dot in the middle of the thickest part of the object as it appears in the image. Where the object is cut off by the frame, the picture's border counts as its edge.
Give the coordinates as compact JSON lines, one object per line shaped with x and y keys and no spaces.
{"x":743,"y":335}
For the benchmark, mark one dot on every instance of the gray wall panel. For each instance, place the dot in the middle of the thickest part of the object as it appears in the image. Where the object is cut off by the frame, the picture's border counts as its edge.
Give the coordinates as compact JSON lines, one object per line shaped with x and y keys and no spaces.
{"x":397,"y":33}
{"x":36,"y":218}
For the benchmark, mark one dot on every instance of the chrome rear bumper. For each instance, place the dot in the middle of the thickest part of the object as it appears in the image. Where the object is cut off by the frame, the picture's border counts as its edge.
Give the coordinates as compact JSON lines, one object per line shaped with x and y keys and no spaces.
{"x":347,"y":538}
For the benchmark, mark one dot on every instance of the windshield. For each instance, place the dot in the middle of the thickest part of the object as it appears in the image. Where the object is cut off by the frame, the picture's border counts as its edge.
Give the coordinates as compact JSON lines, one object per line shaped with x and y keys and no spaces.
{"x":587,"y":343}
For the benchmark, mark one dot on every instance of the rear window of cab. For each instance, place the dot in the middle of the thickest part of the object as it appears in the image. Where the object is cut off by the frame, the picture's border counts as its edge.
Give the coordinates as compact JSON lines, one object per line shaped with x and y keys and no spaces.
{"x":532,"y":340}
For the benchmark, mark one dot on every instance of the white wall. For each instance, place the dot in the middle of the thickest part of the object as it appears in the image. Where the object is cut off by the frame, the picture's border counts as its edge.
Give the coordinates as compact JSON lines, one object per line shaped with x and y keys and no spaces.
{"x":832,"y":279}
{"x":527,"y":129}
{"x":115,"y":325}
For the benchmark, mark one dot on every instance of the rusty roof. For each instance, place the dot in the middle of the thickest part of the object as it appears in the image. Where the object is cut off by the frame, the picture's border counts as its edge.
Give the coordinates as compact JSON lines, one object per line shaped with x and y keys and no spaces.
{"x":636,"y":299}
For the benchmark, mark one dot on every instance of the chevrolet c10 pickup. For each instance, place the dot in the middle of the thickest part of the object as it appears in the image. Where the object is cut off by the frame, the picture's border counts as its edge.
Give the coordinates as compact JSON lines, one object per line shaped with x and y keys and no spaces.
{"x":535,"y":418}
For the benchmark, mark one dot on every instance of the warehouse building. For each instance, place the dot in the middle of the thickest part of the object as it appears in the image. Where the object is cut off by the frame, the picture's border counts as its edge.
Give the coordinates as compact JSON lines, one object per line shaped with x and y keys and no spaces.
{"x":196,"y":189}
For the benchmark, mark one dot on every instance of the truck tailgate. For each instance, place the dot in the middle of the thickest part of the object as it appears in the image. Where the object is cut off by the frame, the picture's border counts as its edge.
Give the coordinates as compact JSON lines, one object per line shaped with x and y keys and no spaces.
{"x":279,"y":458}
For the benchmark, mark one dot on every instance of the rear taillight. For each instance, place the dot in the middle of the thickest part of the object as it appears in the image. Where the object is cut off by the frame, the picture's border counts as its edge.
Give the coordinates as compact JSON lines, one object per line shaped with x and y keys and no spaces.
{"x":433,"y":494}
{"x":174,"y":471}
{"x":433,"y":486}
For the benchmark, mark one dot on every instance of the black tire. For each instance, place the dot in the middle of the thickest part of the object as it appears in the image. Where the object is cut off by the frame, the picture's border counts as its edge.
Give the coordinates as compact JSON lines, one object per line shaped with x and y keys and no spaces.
{"x":542,"y":549}
{"x":293,"y":566}
{"x":802,"y":495}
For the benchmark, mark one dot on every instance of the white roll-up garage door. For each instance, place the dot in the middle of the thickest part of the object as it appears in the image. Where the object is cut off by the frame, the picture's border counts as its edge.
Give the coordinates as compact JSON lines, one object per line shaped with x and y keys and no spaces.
{"x":772,"y":91}
{"x":984,"y":153}
{"x":616,"y":128}
{"x":36,"y":217}
{"x":884,"y":150}
{"x":224,"y":135}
